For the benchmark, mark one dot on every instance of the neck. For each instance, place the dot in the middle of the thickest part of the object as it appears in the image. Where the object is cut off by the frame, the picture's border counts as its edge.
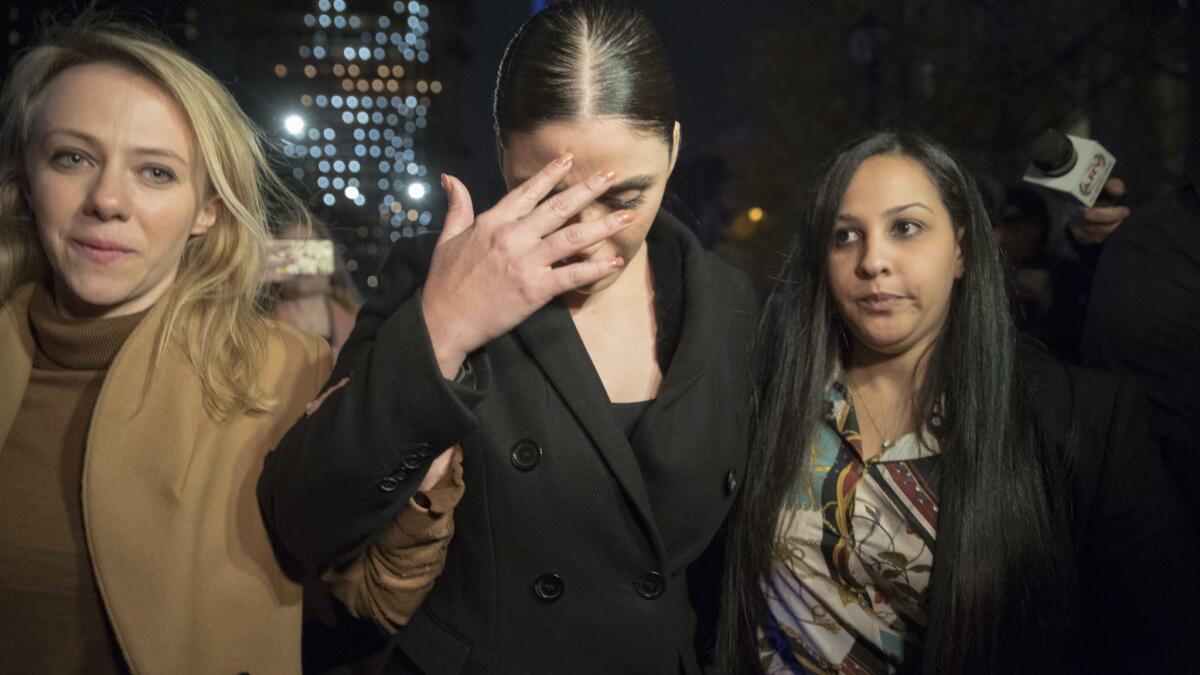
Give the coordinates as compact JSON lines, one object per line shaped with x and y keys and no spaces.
{"x":895,"y":376}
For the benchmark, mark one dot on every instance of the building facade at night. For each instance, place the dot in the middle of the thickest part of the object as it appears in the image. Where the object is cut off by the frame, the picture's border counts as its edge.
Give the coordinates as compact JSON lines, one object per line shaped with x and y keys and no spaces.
{"x":358,"y":91}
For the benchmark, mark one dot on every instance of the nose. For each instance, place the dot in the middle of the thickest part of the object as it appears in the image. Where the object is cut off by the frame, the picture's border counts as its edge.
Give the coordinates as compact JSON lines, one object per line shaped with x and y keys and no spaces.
{"x":876,"y":258}
{"x":593,"y":211}
{"x":108,"y":198}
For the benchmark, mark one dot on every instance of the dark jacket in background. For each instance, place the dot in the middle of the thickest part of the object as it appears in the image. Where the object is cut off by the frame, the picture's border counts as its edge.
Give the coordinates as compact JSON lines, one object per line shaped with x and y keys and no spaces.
{"x":1138,"y":568}
{"x":1144,"y":320}
{"x":576,"y":549}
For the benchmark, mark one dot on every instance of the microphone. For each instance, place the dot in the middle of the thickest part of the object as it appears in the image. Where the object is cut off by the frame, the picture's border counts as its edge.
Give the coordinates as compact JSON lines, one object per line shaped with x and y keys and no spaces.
{"x":1070,"y":165}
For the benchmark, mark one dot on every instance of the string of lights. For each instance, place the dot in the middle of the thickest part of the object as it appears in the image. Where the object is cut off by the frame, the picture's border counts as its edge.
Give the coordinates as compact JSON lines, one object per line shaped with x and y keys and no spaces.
{"x":355,"y":140}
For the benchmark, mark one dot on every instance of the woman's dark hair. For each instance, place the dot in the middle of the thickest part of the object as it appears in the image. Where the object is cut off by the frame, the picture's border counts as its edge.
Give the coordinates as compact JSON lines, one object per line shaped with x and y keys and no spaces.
{"x":585,"y":58}
{"x":1000,"y":576}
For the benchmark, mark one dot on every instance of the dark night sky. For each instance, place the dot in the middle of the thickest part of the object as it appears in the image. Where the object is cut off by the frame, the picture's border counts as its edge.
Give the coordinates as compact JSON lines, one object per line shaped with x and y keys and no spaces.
{"x":1115,"y":74}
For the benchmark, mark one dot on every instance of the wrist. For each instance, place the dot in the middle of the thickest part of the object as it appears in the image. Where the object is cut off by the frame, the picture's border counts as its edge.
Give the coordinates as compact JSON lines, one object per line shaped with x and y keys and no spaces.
{"x":446,"y":351}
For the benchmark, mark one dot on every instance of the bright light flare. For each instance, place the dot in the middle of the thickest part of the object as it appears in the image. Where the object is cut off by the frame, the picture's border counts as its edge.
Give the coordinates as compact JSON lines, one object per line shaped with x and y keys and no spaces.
{"x":294,"y":124}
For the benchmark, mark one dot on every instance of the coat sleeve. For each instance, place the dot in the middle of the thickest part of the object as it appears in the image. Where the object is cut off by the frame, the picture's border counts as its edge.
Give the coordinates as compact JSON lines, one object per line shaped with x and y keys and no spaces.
{"x":1138,"y":568}
{"x":340,"y":476}
{"x":388,"y":581}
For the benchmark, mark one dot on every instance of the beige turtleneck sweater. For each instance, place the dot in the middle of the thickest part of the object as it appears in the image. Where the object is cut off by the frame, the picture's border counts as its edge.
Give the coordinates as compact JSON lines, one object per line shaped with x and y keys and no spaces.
{"x":52,"y":618}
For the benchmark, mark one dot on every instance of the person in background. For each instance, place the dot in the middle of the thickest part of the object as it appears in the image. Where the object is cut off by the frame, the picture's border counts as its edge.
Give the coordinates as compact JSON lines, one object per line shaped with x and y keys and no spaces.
{"x":923,"y":494}
{"x":587,"y":354}
{"x":1145,"y":322}
{"x":323,"y":305}
{"x":1052,"y":276}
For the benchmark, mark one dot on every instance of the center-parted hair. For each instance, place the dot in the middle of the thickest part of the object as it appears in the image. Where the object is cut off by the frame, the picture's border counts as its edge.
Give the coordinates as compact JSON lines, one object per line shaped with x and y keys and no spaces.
{"x":581,"y":59}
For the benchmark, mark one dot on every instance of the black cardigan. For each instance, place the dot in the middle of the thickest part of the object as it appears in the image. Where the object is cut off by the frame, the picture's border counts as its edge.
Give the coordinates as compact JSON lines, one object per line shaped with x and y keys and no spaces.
{"x":576,"y":549}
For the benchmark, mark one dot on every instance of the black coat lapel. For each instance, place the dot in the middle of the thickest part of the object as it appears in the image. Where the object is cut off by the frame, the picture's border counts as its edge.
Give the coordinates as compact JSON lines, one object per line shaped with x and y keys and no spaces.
{"x":551,"y":338}
{"x":700,"y":328}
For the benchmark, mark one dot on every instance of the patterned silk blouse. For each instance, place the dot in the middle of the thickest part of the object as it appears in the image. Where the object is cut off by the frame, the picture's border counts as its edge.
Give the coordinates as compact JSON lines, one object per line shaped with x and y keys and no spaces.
{"x":854,"y":550}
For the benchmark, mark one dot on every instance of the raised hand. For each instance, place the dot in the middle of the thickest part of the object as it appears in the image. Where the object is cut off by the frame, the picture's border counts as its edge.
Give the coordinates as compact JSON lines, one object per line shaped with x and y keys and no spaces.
{"x":492,"y":271}
{"x":1101,"y":220}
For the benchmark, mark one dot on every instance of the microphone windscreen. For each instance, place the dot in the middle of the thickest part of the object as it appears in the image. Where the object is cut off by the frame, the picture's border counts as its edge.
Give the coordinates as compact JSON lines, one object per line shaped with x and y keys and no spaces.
{"x":1053,"y":153}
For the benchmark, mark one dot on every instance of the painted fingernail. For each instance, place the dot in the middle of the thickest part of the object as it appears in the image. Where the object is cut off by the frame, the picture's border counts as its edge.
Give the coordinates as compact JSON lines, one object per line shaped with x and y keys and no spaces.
{"x":626,"y":217}
{"x":617,"y":262}
{"x":607,"y":176}
{"x":564,"y":159}
{"x":446,"y":184}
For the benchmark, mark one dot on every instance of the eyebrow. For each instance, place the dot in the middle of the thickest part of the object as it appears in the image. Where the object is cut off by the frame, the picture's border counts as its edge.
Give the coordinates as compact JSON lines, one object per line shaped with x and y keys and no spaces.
{"x":897,"y":209}
{"x":636,"y":183}
{"x":889,"y":212}
{"x":88,"y":138}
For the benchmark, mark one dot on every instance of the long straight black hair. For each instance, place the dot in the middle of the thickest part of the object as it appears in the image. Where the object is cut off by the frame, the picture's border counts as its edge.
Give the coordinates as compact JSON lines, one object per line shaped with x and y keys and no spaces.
{"x":1001,"y":575}
{"x":586,"y":58}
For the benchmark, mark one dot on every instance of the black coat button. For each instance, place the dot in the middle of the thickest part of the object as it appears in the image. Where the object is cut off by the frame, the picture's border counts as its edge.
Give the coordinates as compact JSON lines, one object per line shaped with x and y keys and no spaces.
{"x":389,"y":484}
{"x":650,"y":585}
{"x":525,"y":455}
{"x":548,"y":587}
{"x":730,"y":482}
{"x":412,"y":462}
{"x":423,"y":450}
{"x":400,"y":475}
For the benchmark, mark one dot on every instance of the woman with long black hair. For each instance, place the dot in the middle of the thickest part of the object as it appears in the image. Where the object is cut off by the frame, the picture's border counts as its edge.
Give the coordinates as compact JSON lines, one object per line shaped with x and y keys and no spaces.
{"x":922,"y":494}
{"x":589,"y":357}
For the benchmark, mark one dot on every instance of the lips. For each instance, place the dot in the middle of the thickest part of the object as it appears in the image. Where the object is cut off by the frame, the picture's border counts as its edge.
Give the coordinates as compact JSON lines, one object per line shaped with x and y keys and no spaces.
{"x":879,"y":302}
{"x":100,"y":250}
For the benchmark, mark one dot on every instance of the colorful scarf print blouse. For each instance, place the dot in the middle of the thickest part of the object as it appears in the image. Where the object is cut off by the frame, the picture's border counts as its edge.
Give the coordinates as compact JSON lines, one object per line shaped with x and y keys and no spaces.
{"x":854,"y":549}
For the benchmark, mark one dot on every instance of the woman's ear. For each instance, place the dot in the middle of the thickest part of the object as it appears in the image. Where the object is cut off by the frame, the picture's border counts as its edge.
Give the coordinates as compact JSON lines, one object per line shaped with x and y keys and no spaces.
{"x":207,"y":216}
{"x":676,"y":138}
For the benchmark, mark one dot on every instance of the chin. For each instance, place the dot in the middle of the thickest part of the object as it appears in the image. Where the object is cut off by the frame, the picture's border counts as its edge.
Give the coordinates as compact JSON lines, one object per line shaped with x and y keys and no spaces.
{"x":892,"y":343}
{"x":593,"y":288}
{"x":96,"y":294}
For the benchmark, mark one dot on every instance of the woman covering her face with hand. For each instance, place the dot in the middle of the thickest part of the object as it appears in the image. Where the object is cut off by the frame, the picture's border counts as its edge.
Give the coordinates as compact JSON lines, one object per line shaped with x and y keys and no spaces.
{"x":585,"y":352}
{"x":923,"y":495}
{"x":142,"y":385}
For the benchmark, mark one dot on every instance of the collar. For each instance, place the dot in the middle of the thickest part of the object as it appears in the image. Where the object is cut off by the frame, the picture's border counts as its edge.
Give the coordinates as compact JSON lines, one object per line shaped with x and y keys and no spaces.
{"x":842,"y":418}
{"x":66,"y":343}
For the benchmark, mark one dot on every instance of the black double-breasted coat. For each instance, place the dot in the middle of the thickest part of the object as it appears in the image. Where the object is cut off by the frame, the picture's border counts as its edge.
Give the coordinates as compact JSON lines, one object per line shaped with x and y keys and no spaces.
{"x":577,"y":549}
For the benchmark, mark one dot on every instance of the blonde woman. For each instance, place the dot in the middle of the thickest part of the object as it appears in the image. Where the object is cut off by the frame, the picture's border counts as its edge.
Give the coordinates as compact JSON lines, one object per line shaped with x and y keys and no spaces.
{"x":141,"y":383}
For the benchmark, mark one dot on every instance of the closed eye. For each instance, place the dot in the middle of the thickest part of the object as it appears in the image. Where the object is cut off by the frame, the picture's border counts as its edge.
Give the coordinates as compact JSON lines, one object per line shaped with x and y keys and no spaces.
{"x":630,"y":203}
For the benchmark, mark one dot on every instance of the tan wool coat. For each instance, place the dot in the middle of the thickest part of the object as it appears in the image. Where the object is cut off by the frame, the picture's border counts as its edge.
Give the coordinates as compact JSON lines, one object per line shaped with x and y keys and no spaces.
{"x":182,"y":558}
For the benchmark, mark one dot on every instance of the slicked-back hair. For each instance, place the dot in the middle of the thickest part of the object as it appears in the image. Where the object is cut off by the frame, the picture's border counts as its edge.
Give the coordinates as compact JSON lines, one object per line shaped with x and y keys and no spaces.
{"x":1001,"y":575}
{"x":585,"y":59}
